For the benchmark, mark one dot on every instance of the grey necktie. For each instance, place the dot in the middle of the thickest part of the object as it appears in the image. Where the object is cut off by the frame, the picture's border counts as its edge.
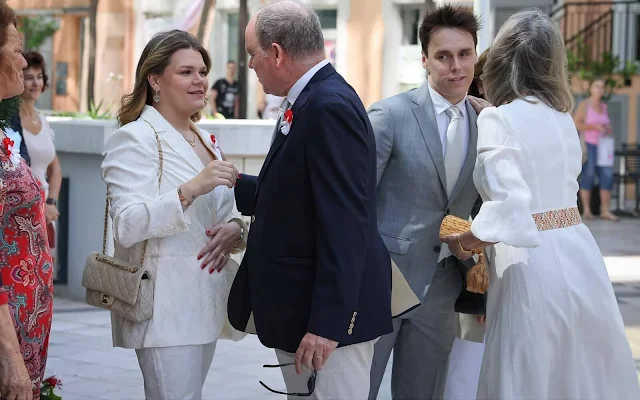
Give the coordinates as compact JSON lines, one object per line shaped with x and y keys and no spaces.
{"x":453,"y":156}
{"x":453,"y":159}
{"x":283,"y":107}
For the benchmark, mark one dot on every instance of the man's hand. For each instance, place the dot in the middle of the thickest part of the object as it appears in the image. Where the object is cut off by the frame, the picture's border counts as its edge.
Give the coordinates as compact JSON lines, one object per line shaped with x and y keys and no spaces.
{"x":478,"y":104}
{"x":15,"y":383}
{"x":313,"y":352}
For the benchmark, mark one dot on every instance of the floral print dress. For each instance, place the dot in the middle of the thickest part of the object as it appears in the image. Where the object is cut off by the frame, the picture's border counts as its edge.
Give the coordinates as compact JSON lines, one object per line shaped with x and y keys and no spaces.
{"x":25,"y":261}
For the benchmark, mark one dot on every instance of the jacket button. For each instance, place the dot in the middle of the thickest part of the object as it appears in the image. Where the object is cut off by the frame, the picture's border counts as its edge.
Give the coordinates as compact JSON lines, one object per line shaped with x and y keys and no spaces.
{"x":436,"y":249}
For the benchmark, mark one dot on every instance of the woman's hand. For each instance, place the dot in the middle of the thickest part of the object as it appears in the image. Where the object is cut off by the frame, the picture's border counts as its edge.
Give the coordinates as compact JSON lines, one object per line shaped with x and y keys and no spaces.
{"x":479,"y":104}
{"x":456,"y":249}
{"x":51,"y":213}
{"x":217,"y":173}
{"x":14,"y":378}
{"x":215,"y":254}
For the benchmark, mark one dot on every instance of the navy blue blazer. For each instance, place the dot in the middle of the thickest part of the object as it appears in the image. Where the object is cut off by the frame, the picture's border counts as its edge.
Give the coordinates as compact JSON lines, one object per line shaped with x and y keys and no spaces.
{"x":314,"y":260}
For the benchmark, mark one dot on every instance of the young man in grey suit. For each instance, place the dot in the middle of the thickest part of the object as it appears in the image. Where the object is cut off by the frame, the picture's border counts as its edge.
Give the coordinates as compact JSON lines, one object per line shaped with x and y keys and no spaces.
{"x":426,"y":151}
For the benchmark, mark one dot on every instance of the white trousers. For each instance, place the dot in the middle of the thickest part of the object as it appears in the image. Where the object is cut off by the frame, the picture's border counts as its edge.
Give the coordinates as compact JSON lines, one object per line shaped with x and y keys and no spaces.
{"x":178,"y":372}
{"x":344,"y":376}
{"x":465,"y":361}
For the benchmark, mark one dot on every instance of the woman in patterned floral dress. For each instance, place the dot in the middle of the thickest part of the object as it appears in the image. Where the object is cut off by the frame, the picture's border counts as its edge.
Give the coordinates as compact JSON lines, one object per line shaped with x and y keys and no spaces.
{"x":26,"y":288}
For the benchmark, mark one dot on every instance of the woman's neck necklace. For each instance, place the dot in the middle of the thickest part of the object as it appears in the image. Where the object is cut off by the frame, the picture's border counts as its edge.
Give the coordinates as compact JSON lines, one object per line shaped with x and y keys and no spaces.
{"x":32,"y":114}
{"x":192,"y":142}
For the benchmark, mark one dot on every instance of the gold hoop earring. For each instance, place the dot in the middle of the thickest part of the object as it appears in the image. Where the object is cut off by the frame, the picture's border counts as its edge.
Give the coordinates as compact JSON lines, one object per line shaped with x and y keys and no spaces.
{"x":156,"y":98}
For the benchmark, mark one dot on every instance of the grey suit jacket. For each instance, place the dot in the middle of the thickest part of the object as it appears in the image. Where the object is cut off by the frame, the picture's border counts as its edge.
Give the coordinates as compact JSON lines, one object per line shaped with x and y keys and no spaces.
{"x":412,"y":197}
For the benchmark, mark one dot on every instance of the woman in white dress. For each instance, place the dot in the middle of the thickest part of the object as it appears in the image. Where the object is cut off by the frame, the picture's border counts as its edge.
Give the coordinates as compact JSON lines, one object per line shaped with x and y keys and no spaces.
{"x":39,"y":136}
{"x":554,"y":330}
{"x":158,"y":141}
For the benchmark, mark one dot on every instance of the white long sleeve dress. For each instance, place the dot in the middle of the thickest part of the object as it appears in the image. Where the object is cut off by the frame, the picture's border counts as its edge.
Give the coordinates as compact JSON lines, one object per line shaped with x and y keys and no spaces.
{"x":554,"y":330}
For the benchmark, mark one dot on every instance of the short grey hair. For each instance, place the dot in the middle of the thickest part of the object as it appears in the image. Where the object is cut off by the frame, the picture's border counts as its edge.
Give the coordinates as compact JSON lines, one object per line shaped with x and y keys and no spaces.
{"x":527,"y":58}
{"x":292,"y":25}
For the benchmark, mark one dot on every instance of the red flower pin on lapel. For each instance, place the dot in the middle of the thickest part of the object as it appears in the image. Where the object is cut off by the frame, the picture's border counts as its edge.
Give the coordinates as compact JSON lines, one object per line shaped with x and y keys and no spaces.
{"x":12,"y":152}
{"x":287,"y":120}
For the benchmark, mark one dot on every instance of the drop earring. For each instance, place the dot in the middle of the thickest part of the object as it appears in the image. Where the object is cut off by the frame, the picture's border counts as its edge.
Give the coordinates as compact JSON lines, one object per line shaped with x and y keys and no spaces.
{"x":156,"y":98}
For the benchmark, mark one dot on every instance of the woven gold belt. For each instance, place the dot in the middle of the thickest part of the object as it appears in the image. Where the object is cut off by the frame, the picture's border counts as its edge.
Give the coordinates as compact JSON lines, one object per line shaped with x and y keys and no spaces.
{"x":556,"y":219}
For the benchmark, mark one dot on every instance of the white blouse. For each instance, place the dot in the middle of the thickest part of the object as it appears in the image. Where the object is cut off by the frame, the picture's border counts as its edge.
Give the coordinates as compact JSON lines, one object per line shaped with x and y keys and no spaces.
{"x":41,"y":150}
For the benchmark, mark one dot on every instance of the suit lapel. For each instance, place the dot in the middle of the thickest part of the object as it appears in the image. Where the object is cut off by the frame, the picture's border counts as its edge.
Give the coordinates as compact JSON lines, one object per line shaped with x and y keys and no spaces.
{"x":323,"y":73}
{"x":426,"y":117}
{"x":470,"y":160}
{"x":206,"y":140}
{"x":172,"y":137}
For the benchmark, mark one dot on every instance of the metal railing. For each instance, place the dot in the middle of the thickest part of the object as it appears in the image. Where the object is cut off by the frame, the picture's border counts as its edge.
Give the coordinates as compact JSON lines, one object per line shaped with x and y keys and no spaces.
{"x":596,"y":24}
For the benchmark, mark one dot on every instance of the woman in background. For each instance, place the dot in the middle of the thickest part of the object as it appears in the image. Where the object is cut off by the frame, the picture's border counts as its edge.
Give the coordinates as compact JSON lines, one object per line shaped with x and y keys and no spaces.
{"x":38,"y":137}
{"x":592,"y":121}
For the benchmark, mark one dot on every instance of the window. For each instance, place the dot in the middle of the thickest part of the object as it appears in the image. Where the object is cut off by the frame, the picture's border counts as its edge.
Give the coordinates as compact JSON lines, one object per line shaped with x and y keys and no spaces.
{"x":638,"y":37}
{"x":328,"y":18}
{"x":410,"y":17}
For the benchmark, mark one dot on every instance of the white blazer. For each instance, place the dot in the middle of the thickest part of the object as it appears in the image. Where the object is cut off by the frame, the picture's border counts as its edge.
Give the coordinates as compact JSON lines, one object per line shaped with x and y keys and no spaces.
{"x":190,"y":305}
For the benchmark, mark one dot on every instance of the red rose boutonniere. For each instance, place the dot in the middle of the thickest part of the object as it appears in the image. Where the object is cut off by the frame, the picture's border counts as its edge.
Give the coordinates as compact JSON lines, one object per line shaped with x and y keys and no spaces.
{"x":214,"y":143}
{"x":12,"y":152}
{"x":287,"y":120}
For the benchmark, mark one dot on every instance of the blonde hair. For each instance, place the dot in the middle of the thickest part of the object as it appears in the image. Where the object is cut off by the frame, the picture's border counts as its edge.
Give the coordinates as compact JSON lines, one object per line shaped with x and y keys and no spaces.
{"x":528,"y":58}
{"x":155,"y":58}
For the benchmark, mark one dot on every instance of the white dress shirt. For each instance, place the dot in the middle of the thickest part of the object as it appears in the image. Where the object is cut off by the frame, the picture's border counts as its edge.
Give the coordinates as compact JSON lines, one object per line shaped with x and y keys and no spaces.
{"x":440,"y":106}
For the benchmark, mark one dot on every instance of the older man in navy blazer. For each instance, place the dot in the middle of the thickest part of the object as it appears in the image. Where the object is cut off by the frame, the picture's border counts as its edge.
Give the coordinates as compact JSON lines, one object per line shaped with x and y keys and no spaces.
{"x":316,"y":278}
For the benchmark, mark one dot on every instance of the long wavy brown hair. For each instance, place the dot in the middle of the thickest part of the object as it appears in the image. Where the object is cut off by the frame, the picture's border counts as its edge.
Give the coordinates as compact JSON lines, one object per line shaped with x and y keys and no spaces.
{"x":7,"y":18}
{"x":154,"y":60}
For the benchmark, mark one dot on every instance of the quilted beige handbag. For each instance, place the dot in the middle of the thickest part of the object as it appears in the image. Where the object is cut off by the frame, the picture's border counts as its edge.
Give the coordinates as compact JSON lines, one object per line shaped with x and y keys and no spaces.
{"x":121,"y":287}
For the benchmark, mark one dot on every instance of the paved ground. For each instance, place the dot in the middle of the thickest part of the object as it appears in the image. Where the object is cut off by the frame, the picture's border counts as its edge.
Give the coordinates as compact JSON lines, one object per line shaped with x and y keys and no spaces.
{"x":81,"y":354}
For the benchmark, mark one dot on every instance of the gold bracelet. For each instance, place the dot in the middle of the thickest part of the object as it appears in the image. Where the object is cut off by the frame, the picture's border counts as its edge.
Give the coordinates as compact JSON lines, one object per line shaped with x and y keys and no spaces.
{"x":183,"y":200}
{"x":460,"y":245}
{"x":241,"y":224}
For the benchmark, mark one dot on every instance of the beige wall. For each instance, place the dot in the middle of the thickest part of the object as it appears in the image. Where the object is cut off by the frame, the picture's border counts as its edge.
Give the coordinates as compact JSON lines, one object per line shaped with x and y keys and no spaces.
{"x":66,"y":48}
{"x":114,"y":49}
{"x":365,"y":40}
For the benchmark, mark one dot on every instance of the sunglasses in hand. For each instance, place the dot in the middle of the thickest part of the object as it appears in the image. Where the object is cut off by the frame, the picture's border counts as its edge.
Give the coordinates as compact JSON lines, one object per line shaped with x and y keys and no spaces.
{"x":311,"y":383}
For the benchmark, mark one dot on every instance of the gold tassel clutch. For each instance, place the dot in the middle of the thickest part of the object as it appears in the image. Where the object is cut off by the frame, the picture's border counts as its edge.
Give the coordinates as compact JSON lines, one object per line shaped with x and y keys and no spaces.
{"x":477,"y":277}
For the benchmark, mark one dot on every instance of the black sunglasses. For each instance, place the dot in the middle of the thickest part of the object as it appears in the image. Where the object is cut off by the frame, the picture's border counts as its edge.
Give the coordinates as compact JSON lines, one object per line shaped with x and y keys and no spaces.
{"x":311,"y":383}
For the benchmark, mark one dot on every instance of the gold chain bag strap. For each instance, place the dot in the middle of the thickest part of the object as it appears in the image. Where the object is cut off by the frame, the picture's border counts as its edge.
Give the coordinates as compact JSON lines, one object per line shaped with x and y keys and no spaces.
{"x":121,"y":287}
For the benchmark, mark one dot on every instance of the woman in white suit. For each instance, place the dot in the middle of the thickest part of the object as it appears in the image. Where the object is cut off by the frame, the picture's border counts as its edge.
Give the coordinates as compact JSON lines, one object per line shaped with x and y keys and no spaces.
{"x":158,"y":138}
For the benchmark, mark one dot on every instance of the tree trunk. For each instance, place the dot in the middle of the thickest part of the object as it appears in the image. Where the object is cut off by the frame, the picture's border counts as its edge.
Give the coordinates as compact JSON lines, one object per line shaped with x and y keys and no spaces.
{"x":206,"y":10}
{"x":91,"y":80}
{"x":243,"y":19}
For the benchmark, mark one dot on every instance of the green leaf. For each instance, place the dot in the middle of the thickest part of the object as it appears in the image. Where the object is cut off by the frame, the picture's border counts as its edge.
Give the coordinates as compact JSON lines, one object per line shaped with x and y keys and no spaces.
{"x":8,"y":109}
{"x":37,"y":30}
